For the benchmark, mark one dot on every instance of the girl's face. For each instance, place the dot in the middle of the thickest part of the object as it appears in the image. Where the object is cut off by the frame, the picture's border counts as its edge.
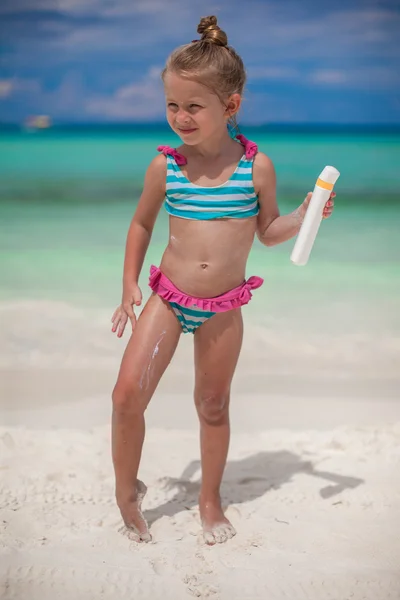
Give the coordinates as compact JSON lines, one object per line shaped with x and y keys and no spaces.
{"x":193,"y":111}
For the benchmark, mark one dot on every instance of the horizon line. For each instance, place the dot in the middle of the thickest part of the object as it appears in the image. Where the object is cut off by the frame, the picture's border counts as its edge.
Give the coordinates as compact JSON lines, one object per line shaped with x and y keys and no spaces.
{"x":162,"y":124}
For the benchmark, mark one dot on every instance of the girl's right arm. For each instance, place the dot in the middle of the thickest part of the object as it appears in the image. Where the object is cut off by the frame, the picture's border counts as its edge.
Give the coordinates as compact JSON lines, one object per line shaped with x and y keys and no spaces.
{"x":138,"y":239}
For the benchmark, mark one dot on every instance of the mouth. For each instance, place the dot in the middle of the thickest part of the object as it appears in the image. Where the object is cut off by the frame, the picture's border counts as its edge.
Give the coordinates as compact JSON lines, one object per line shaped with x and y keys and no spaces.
{"x":186,"y":131}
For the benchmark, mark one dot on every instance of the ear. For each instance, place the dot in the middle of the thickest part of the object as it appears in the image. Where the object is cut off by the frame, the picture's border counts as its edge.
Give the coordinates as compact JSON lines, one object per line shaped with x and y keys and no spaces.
{"x":233,"y":105}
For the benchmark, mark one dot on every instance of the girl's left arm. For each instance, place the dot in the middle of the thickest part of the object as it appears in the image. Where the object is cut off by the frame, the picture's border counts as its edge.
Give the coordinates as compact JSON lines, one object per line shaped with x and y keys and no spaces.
{"x":273,"y":228}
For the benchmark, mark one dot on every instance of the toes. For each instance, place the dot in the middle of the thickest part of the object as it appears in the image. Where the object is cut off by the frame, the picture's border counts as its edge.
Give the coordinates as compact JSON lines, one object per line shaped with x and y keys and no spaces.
{"x":230,"y":531}
{"x":131,"y":533}
{"x":209,"y":538}
{"x":224,"y":533}
{"x":218,"y":535}
{"x":134,"y":535}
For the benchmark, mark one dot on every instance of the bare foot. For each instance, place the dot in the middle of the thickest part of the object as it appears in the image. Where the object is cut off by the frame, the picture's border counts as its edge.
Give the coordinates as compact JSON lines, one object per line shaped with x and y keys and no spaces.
{"x":135,"y":528}
{"x":216,"y":527}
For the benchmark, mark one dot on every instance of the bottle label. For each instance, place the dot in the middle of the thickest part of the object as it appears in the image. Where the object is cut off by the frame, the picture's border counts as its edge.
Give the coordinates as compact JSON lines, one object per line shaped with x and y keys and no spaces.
{"x":324,"y":184}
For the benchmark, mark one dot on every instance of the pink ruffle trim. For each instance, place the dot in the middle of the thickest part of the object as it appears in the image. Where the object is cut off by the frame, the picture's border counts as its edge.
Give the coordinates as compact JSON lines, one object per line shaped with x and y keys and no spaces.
{"x":250,"y":149}
{"x":161,"y":285}
{"x":179,"y":158}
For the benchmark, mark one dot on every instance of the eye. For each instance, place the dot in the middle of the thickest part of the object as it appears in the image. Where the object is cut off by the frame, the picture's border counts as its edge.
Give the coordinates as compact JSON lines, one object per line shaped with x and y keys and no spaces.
{"x":172,"y":105}
{"x":194,"y":106}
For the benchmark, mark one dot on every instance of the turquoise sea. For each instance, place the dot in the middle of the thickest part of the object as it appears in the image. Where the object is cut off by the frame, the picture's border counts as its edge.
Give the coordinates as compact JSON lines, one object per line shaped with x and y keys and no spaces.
{"x":67,"y":197}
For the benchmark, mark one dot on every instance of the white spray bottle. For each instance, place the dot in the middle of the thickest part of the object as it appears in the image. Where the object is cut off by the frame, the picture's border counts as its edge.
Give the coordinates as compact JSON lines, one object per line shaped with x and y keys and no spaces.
{"x":313,"y":217}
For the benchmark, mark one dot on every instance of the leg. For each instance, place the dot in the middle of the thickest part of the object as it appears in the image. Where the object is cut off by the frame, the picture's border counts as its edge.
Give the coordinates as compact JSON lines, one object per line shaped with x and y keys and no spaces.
{"x":217,"y":347}
{"x":148,"y":353}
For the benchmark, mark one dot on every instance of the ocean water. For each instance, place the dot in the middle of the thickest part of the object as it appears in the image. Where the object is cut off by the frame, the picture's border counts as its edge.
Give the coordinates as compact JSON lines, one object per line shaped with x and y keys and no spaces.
{"x":66,"y":200}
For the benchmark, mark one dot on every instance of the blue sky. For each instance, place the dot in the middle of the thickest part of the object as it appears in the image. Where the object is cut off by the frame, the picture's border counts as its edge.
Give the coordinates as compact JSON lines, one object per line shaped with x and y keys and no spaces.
{"x":100,"y":60}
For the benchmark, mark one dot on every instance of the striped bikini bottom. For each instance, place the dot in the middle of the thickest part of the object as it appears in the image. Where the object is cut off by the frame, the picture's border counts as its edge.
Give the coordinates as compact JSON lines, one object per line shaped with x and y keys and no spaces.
{"x":193,"y":312}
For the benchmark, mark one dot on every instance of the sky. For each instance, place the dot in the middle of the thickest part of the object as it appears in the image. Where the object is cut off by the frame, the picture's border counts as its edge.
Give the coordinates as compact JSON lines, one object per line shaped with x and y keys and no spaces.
{"x":100,"y":60}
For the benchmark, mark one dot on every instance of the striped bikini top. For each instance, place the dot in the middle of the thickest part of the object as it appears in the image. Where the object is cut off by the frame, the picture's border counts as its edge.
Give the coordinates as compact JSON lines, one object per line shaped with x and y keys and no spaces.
{"x":234,"y":199}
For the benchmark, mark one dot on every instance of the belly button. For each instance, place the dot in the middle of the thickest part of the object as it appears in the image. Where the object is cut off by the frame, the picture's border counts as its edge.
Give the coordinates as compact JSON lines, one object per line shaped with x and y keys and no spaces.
{"x":204,"y":265}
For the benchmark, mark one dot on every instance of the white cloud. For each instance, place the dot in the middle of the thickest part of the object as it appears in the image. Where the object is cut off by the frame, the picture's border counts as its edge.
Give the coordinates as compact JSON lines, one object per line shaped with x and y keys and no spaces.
{"x":329,"y":76}
{"x":18,"y":6}
{"x":278,"y":40}
{"x":271,"y":72}
{"x":129,"y":7}
{"x":98,"y":8}
{"x":337,"y":34}
{"x":10,"y":87}
{"x":64,"y":101}
{"x":285,"y":31}
{"x":372,"y":78}
{"x":6,"y":88}
{"x":132,"y":26}
{"x":139,"y":100}
{"x":22,"y":5}
{"x":264,"y":108}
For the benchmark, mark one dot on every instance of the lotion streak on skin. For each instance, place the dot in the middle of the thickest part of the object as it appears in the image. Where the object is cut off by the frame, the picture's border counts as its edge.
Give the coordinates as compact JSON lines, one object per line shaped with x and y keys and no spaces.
{"x":148,"y":371}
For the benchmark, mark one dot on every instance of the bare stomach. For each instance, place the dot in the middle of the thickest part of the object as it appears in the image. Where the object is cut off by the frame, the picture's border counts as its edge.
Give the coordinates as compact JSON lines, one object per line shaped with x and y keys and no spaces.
{"x":208,"y":258}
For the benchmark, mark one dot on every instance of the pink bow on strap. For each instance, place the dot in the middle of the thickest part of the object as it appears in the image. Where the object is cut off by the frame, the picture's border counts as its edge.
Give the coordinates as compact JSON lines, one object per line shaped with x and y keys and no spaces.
{"x":251,"y":148}
{"x":167,"y":150}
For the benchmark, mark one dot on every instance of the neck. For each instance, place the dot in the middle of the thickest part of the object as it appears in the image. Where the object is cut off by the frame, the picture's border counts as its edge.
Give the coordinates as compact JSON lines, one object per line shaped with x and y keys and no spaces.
{"x":214,"y":146}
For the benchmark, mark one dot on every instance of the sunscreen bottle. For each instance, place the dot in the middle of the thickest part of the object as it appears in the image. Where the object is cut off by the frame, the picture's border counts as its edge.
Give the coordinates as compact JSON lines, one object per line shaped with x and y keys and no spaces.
{"x":313,"y":217}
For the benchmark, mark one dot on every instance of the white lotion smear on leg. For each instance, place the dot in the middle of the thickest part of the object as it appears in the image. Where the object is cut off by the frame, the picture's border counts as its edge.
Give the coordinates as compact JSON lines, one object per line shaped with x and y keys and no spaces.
{"x":148,"y":372}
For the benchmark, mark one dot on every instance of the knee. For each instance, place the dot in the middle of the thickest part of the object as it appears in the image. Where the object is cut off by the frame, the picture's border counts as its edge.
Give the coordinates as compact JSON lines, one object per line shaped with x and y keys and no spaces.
{"x":126,"y":399}
{"x":212,"y":406}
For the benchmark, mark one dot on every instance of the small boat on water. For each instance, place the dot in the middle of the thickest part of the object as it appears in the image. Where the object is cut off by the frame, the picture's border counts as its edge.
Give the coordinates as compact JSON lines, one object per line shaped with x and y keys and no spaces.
{"x":37,"y":122}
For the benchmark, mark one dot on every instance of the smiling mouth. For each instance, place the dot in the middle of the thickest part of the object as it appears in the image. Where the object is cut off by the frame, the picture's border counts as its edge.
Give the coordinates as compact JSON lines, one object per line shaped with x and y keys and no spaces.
{"x":187,"y":130}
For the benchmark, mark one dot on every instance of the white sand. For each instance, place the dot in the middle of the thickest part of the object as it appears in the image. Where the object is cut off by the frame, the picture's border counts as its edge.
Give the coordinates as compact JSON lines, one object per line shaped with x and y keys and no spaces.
{"x":312,"y":484}
{"x":317,"y":516}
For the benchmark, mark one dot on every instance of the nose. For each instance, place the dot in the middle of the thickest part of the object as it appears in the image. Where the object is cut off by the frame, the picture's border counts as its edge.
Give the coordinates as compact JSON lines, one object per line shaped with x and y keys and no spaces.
{"x":182,"y":117}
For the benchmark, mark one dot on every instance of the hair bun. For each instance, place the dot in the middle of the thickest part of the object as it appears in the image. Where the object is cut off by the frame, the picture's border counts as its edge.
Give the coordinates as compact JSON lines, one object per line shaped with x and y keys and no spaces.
{"x":211,"y":32}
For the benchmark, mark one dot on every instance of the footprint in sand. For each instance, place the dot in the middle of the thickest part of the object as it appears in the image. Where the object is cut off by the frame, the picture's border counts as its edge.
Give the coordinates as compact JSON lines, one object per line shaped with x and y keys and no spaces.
{"x":198,"y":588}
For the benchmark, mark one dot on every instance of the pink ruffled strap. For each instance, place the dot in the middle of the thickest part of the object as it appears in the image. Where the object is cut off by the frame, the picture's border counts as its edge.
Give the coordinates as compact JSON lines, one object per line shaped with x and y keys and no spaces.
{"x":161,"y":285}
{"x":167,"y":150}
{"x":250,"y":147}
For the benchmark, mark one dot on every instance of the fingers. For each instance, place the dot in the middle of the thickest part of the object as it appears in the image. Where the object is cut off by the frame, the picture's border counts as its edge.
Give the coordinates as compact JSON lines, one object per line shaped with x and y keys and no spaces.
{"x":115,"y":314}
{"x":120,"y":323}
{"x":120,"y":319}
{"x":328,"y":208}
{"x":129,"y":310}
{"x":307,"y":199}
{"x":132,"y":318}
{"x":116,"y":318}
{"x":137,"y":297}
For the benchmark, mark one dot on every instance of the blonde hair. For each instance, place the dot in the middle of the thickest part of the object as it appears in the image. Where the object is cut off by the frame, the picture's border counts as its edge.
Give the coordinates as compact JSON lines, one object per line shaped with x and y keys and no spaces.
{"x":210,"y":61}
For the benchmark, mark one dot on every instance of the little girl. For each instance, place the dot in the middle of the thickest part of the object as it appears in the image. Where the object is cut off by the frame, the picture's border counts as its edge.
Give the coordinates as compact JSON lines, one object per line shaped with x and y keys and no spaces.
{"x":219,"y":192}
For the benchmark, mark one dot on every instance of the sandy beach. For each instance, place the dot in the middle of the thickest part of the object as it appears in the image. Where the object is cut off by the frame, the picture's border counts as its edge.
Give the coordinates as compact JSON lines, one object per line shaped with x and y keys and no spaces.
{"x":312,"y":484}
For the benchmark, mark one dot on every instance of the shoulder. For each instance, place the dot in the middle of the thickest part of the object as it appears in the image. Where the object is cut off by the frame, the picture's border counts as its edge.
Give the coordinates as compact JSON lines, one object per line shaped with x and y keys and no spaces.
{"x":157,"y":171}
{"x":158,"y":164}
{"x":262,"y":163}
{"x":263,"y":171}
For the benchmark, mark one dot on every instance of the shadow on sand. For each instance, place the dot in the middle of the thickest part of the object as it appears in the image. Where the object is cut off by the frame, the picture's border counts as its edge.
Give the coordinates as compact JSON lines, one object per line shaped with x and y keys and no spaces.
{"x":247,"y":479}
